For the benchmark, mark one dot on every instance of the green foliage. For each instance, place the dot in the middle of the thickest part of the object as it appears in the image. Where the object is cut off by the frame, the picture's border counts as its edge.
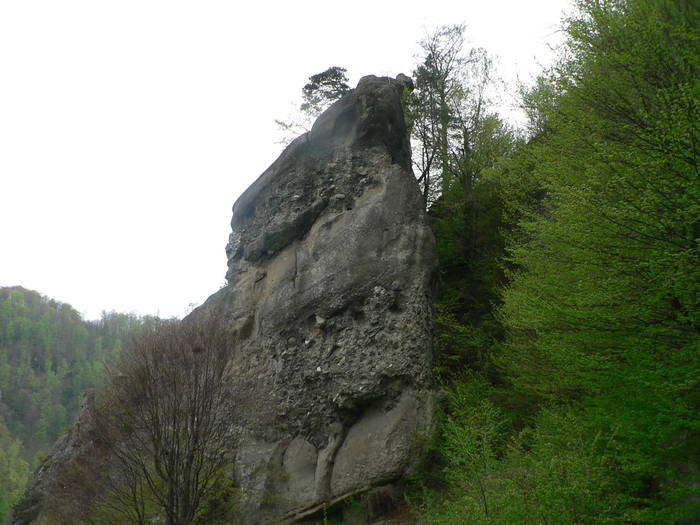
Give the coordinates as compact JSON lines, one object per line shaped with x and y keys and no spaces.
{"x":603,"y":308}
{"x":317,"y":95}
{"x":553,"y":473}
{"x":467,"y":222}
{"x":588,"y":399}
{"x":453,"y":128}
{"x":459,"y":143}
{"x":323,"y":89}
{"x":48,"y":356}
{"x":14,"y":471}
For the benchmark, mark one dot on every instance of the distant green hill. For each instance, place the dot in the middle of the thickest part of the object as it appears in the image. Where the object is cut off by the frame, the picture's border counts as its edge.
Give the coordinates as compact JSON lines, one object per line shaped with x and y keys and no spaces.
{"x":49,"y":355}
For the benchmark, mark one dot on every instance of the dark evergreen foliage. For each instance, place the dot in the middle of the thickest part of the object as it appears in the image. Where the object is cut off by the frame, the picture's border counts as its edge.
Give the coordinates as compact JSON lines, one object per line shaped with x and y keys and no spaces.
{"x":323,"y":89}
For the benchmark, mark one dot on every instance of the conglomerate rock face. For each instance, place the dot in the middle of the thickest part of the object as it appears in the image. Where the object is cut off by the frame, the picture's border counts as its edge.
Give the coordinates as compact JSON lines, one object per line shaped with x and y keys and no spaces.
{"x":331,"y":263}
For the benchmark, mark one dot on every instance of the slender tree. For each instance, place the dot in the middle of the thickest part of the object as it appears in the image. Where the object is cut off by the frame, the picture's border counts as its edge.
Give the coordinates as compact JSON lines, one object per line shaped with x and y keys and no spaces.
{"x":447,"y":110}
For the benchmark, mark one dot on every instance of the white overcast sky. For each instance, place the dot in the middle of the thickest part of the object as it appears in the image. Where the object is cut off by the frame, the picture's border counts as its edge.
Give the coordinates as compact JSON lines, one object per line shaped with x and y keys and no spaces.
{"x":129,"y":127}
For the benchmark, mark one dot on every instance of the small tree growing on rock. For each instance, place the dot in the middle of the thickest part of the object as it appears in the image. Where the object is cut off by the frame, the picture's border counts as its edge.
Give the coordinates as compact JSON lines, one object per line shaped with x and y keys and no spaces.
{"x":318,"y":94}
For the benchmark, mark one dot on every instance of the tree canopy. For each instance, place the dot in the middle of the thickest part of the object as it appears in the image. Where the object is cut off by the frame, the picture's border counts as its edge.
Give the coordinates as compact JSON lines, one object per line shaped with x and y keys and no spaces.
{"x":582,"y":406}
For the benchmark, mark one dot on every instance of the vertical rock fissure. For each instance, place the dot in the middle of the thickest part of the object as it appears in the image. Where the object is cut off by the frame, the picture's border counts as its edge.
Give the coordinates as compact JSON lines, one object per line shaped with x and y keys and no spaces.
{"x":326,"y":459}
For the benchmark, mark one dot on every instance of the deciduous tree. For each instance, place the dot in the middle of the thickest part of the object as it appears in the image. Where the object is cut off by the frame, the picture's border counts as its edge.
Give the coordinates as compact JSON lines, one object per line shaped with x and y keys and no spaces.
{"x":167,"y":416}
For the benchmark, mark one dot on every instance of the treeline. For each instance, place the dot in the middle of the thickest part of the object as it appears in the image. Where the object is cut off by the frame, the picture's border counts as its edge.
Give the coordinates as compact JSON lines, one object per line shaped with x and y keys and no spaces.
{"x":48,"y":357}
{"x":568,"y":321}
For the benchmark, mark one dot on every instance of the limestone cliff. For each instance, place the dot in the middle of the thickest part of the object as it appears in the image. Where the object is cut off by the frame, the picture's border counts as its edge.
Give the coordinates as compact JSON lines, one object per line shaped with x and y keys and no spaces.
{"x":330,"y":270}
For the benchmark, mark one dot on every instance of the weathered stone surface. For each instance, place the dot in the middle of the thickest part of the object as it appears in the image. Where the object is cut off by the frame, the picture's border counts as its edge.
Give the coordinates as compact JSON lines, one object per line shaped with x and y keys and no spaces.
{"x":330,"y":271}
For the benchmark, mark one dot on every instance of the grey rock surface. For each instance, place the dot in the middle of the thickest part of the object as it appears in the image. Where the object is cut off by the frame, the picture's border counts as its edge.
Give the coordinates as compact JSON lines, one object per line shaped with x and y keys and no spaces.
{"x":330,"y":269}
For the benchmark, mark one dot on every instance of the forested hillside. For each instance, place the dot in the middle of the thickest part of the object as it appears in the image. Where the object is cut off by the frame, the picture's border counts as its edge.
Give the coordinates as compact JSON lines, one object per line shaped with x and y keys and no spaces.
{"x":48,"y":357}
{"x":568,"y":320}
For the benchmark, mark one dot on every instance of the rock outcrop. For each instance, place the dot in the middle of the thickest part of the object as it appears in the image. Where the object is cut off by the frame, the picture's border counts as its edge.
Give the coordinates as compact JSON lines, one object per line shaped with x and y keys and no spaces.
{"x":77,"y":458}
{"x":330,"y":273}
{"x":329,"y":289}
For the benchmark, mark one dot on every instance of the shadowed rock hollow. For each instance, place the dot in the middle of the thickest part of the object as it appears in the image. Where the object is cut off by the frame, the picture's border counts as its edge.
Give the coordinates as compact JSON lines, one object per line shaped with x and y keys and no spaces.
{"x":329,"y":288}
